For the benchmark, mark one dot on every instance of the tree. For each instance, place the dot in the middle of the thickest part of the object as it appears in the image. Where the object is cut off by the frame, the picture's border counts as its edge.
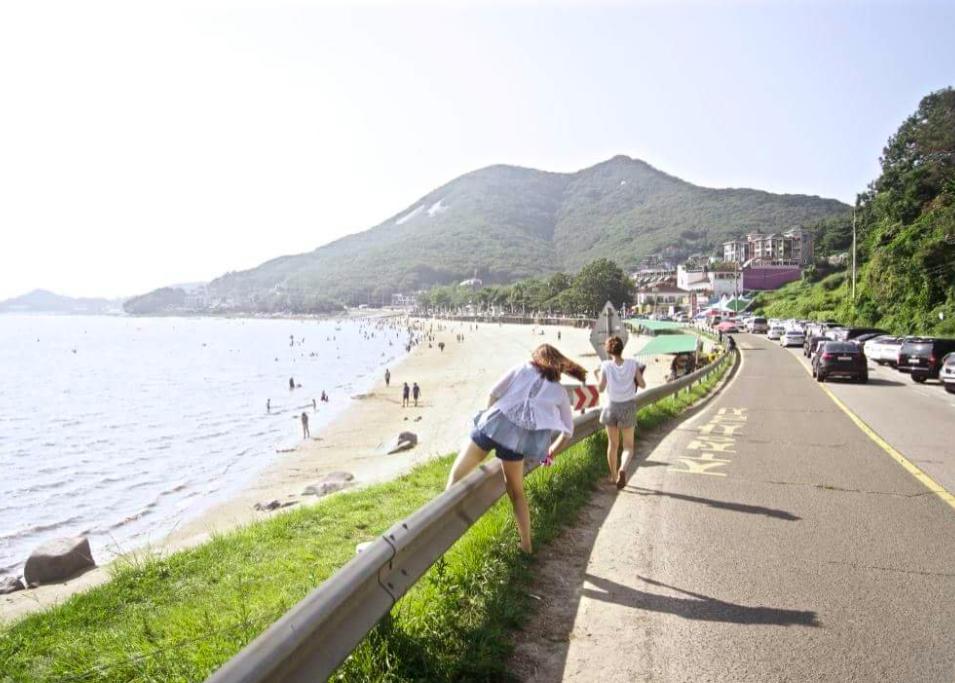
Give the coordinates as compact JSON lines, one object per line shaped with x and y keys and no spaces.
{"x":601,"y":281}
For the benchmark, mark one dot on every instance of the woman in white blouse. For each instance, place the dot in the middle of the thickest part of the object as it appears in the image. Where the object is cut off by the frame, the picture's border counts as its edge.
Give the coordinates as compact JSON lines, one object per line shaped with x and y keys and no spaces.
{"x":526,"y":408}
{"x":619,"y":378}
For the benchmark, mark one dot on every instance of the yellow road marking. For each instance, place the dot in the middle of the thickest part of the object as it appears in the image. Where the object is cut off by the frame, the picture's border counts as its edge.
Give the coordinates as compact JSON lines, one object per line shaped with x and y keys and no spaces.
{"x":906,"y":464}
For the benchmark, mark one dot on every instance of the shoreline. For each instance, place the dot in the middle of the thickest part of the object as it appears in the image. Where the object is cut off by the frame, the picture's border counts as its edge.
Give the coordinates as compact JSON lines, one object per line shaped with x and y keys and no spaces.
{"x":454,"y":386}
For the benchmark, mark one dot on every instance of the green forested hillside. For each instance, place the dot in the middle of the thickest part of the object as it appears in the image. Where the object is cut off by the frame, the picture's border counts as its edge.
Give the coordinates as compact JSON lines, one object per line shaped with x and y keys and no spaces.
{"x":906,"y":236}
{"x":506,"y":223}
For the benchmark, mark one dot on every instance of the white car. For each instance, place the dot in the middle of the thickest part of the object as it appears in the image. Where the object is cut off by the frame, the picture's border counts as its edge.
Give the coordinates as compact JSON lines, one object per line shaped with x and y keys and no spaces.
{"x":792,"y":337}
{"x":947,"y":374}
{"x":883,"y":350}
{"x":775,"y":332}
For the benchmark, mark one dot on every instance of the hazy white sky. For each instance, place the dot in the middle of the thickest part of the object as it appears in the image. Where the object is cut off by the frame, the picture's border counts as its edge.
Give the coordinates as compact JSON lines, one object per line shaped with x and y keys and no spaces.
{"x":144,"y":144}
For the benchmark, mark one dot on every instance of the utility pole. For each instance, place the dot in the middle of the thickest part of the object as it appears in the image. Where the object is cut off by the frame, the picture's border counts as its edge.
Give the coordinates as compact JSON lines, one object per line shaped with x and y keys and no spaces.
{"x":854,"y":255}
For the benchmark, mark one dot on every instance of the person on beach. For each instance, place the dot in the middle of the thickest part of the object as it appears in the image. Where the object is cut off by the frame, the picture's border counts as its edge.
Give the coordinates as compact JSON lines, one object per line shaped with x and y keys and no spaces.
{"x":387,"y":377}
{"x":441,"y":346}
{"x":314,"y":405}
{"x":405,"y":393}
{"x":526,"y":408}
{"x":415,"y":393}
{"x":291,"y":383}
{"x":305,"y":433}
{"x":268,"y":405}
{"x":619,"y":379}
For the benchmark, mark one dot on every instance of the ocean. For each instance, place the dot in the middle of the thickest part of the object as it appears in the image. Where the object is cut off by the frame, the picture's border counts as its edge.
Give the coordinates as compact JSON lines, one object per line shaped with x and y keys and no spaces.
{"x":122,"y":428}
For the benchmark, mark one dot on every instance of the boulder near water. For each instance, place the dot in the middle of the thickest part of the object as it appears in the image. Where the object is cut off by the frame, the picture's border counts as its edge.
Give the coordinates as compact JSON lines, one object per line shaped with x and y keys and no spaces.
{"x":10,"y":584}
{"x":58,"y":560}
{"x":403,"y":442}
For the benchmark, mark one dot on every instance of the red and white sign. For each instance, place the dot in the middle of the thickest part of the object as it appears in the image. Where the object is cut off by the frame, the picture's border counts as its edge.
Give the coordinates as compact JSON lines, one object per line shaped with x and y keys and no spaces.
{"x":585,"y":396}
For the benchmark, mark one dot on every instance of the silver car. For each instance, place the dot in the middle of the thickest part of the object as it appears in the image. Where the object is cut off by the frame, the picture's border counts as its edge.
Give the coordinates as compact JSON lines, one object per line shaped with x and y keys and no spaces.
{"x":792,"y":337}
{"x":947,"y":374}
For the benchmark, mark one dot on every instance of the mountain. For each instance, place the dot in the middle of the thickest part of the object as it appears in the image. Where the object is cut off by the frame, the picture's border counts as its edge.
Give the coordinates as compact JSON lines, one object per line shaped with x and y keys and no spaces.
{"x":504,"y":223}
{"x":43,"y":301}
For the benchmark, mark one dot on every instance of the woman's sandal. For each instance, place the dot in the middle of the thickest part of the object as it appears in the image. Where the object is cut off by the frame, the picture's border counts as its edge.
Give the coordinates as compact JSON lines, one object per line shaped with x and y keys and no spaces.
{"x":621,"y":479}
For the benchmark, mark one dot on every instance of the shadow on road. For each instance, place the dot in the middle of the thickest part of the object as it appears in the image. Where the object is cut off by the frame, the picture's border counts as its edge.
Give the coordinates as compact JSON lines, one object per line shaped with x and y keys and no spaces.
{"x":696,"y":606}
{"x":885,"y":382}
{"x":719,"y":504}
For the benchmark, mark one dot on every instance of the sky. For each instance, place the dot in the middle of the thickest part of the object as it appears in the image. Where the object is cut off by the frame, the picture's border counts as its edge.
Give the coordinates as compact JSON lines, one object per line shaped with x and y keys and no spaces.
{"x":144,"y":144}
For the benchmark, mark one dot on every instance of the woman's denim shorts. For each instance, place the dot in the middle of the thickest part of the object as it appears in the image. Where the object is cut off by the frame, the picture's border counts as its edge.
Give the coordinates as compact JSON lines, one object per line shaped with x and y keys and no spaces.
{"x":486,"y":443}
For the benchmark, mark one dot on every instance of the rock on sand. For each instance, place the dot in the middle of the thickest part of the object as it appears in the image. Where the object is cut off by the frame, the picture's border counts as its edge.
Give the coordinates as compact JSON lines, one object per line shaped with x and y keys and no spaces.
{"x":10,"y":584}
{"x":58,"y":560}
{"x":335,"y":481}
{"x":403,"y":442}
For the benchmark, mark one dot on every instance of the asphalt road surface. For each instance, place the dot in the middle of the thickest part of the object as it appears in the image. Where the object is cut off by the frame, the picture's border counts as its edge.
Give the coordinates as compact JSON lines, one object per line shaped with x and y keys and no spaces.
{"x":766,"y":538}
{"x":916,"y":419}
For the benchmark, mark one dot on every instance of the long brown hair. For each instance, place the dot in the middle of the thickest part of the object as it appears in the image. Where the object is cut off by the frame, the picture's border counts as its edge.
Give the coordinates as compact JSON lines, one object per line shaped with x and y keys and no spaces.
{"x":551,"y":363}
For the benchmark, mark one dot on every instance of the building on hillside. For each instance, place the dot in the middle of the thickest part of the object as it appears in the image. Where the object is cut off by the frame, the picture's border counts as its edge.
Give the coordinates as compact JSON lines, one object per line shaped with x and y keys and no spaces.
{"x":662,"y":296}
{"x":791,"y":248}
{"x":651,"y":276}
{"x":404,"y":300}
{"x":712,"y":282}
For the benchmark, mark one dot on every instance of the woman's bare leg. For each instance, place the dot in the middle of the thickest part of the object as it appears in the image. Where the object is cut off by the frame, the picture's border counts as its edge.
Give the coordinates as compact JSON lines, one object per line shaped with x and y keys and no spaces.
{"x":467,"y":460}
{"x":626,"y":434}
{"x":514,"y":483}
{"x":613,"y":446}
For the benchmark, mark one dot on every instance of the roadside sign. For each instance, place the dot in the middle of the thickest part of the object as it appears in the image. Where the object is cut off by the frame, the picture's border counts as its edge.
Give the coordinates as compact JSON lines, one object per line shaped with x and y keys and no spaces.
{"x":583,"y":396}
{"x":608,"y":325}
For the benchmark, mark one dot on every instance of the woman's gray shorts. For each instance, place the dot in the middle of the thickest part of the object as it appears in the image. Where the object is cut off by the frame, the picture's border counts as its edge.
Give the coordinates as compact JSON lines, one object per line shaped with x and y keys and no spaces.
{"x":622,"y":415}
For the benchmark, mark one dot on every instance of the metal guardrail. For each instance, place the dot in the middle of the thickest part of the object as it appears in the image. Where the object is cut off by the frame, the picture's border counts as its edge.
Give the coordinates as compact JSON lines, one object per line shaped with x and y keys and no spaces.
{"x":316,"y":635}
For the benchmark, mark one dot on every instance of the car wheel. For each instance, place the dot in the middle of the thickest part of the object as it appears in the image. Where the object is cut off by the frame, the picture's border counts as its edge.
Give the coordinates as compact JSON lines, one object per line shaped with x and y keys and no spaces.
{"x":820,"y":377}
{"x":950,"y":388}
{"x":918,"y":379}
{"x":864,"y":379}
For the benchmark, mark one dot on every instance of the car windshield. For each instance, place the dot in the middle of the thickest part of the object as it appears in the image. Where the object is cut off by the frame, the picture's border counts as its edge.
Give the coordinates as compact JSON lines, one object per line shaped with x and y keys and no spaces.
{"x":918,"y":347}
{"x":840,"y":347}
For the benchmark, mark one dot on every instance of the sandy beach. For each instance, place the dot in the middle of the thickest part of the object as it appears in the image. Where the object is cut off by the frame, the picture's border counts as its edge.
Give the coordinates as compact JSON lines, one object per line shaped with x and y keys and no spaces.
{"x":454,"y":385}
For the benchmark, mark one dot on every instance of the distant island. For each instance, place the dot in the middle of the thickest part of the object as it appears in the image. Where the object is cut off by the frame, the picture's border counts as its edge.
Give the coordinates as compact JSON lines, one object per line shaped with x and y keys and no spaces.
{"x":45,"y":301}
{"x":501,"y":224}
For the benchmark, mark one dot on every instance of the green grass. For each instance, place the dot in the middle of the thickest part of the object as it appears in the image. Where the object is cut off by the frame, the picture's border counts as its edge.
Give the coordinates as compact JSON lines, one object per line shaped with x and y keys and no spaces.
{"x":179,"y":618}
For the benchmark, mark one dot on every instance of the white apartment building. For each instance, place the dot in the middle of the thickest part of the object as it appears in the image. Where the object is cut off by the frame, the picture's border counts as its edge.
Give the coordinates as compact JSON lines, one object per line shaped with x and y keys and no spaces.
{"x":793,"y":247}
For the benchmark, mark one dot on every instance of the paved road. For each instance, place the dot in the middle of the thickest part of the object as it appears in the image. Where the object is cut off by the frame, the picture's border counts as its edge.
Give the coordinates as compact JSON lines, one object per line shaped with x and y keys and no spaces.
{"x":766,"y":539}
{"x":916,"y":419}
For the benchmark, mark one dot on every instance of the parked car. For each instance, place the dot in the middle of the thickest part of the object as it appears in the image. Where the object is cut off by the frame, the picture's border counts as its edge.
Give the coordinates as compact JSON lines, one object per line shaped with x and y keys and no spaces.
{"x":775,"y":332}
{"x":921,"y":357}
{"x":840,"y":359}
{"x":884,"y":350}
{"x":792,"y":337}
{"x":848,"y":333}
{"x":727,"y":326}
{"x":811,"y":345}
{"x":947,"y":373}
{"x":758,"y":326}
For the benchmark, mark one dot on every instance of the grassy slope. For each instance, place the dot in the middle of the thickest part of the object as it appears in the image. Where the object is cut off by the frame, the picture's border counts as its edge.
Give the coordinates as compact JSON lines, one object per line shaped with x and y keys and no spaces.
{"x":178,"y":618}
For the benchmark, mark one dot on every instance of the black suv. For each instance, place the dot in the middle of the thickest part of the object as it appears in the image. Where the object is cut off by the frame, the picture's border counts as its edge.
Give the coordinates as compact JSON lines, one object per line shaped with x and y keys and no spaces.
{"x":922,"y":357}
{"x":840,"y":359}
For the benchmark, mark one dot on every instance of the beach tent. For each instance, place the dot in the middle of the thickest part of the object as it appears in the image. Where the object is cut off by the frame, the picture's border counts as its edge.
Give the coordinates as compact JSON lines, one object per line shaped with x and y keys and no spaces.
{"x":670,"y":343}
{"x":734,"y":305}
{"x":656,"y":325}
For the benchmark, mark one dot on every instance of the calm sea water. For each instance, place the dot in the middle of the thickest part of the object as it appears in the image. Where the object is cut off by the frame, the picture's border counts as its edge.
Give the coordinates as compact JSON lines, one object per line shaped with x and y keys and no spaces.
{"x":121,"y":428}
